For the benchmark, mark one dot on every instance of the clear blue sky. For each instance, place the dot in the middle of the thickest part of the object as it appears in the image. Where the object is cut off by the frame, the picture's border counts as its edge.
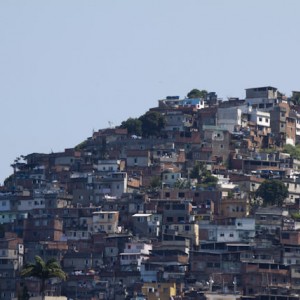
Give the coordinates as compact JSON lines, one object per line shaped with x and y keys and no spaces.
{"x":68,"y":67}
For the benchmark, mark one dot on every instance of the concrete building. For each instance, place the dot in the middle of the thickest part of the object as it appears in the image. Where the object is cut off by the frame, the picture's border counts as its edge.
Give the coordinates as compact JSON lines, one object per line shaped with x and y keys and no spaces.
{"x":133,"y":255}
{"x":43,"y":228}
{"x":11,"y":261}
{"x":163,"y":291}
{"x":146,"y":224}
{"x":261,"y":118}
{"x":229,"y":118}
{"x":268,"y":92}
{"x":105,"y":221}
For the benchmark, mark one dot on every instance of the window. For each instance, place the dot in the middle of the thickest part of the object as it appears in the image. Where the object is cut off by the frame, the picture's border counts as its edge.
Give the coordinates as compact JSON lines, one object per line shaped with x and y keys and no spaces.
{"x":260,"y":119}
{"x":231,"y":235}
{"x":181,"y":195}
{"x":285,"y":235}
{"x":222,"y":234}
{"x":187,"y":228}
{"x":180,"y":219}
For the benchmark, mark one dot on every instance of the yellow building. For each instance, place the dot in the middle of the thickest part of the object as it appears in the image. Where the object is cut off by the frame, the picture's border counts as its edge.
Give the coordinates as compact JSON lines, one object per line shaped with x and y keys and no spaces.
{"x":162,"y":291}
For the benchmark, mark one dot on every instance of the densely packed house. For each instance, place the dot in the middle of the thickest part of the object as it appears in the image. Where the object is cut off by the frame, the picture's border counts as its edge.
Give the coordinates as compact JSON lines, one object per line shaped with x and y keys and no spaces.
{"x":165,"y":206}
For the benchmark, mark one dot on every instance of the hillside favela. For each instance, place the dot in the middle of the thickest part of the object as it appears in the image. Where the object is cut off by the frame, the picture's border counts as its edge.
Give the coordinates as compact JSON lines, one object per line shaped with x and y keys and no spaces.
{"x":198,"y":198}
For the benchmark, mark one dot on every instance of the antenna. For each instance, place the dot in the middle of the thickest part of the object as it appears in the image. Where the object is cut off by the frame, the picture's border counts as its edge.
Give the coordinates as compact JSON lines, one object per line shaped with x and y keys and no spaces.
{"x":110,"y":123}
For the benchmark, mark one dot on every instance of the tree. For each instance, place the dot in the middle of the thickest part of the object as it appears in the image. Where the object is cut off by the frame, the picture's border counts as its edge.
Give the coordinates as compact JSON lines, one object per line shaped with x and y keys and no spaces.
{"x":199,"y":170}
{"x":152,"y":123}
{"x":81,"y":145}
{"x":195,"y":93}
{"x":210,"y":180}
{"x":195,"y":172}
{"x":294,"y":151}
{"x":133,"y":126}
{"x":204,"y":177}
{"x":43,"y":271}
{"x":155,"y":182}
{"x":273,"y":192}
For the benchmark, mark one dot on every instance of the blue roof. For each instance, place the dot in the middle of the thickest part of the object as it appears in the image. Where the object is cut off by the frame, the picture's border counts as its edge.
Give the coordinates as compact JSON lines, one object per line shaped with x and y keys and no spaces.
{"x":191,"y":101}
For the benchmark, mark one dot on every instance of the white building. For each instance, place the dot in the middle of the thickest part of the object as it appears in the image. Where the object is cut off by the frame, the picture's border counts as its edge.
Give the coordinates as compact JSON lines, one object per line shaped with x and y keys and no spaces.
{"x":134,"y":253}
{"x":229,"y":118}
{"x":297,"y":127}
{"x":197,"y":103}
{"x":170,"y":177}
{"x":241,"y":231}
{"x":113,"y":184}
{"x":108,"y":165}
{"x":28,"y":204}
{"x":293,"y":186}
{"x":261,"y":118}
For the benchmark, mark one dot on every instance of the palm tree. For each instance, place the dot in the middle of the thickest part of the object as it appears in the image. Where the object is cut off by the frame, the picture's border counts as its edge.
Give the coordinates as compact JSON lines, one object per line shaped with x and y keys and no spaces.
{"x":43,"y":271}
